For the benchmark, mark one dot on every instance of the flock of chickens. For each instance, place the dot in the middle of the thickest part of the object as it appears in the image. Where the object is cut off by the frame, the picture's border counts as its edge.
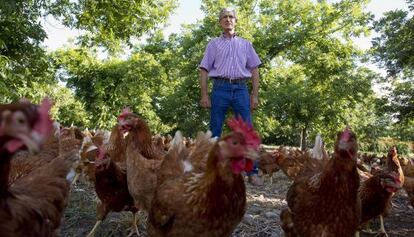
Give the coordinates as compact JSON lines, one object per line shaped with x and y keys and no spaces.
{"x":187,"y":187}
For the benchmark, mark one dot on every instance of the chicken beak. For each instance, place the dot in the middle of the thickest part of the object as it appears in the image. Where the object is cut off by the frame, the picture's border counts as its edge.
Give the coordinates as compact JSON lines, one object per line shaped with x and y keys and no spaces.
{"x":343,"y":145}
{"x":252,"y":154}
{"x":395,"y":184}
{"x":32,"y":142}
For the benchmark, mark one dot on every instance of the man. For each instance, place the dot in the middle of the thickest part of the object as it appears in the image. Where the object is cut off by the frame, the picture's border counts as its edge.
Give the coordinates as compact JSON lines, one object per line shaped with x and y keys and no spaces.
{"x":230,"y":61}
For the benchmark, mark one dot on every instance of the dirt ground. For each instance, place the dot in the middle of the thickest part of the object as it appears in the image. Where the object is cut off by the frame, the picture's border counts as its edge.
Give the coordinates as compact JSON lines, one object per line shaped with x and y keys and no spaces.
{"x":261,"y":219}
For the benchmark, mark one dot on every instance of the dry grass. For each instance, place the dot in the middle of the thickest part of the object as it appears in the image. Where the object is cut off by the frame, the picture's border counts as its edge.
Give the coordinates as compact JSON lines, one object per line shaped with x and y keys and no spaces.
{"x":261,"y":219}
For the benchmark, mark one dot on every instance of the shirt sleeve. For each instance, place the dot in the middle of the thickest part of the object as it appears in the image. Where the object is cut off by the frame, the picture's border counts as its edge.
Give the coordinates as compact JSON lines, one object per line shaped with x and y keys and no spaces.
{"x":253,"y":60}
{"x":208,"y":59}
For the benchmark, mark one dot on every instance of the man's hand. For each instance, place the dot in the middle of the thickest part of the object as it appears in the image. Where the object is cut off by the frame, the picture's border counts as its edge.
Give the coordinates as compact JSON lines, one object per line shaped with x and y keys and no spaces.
{"x":254,"y":102}
{"x":205,"y":102}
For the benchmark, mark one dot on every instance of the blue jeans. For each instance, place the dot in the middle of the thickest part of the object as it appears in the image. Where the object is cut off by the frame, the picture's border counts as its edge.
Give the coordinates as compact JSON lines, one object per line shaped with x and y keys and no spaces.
{"x":223,"y":96}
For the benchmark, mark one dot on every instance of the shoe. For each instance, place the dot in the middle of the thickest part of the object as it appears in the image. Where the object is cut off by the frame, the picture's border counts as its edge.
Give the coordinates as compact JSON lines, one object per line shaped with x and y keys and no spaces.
{"x":255,"y":180}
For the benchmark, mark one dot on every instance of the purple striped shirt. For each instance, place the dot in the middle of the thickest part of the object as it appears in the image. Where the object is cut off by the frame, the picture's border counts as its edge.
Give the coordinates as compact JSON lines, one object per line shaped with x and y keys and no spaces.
{"x":230,"y":58}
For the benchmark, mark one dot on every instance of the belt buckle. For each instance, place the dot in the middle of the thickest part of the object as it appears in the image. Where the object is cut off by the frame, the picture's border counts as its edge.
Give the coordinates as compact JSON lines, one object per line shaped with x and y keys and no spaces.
{"x":231,"y":81}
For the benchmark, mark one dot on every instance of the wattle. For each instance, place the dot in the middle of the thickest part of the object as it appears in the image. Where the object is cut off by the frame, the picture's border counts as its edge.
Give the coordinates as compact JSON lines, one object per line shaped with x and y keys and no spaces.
{"x":237,"y":166}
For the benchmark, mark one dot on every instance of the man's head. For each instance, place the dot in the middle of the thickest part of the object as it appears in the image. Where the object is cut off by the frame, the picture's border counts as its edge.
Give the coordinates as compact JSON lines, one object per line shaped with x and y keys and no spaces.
{"x":227,"y":19}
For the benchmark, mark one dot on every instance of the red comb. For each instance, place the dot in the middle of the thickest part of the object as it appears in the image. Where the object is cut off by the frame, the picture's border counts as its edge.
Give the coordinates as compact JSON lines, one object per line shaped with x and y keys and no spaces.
{"x":251,"y":136}
{"x":44,"y":126}
{"x":124,"y":112}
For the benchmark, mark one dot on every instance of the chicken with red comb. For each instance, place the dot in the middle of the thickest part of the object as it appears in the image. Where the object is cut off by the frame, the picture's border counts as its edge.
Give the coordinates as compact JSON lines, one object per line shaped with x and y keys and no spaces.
{"x":250,"y":135}
{"x":111,"y":188}
{"x":31,"y":205}
{"x":24,"y":124}
{"x":323,"y":200}
{"x":376,"y":192}
{"x":125,"y":111}
{"x":210,"y":201}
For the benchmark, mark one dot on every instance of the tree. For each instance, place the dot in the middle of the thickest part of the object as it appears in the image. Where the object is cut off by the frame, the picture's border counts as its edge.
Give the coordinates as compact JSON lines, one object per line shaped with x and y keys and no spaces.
{"x":106,"y":87}
{"x":22,"y":60}
{"x":393,"y":50}
{"x":108,"y":23}
{"x":306,"y":50}
{"x":26,"y":69}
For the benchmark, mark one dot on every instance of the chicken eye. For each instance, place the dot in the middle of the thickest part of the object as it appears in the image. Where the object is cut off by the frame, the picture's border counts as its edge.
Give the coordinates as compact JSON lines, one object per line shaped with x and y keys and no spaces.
{"x":235,"y":142}
{"x":20,"y":118}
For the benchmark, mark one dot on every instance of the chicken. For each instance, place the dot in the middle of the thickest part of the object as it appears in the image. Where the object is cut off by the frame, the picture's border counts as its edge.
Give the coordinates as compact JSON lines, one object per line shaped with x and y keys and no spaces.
{"x":143,"y":160}
{"x":128,"y":121}
{"x":159,"y":141}
{"x":323,"y":200}
{"x":376,"y":194}
{"x":88,"y":153}
{"x":33,"y":204}
{"x":60,"y":142}
{"x":393,"y":163}
{"x":289,"y":165}
{"x":69,"y":139}
{"x":268,"y":164}
{"x":319,"y":151}
{"x":408,"y":170}
{"x":86,"y":167}
{"x":115,"y":146}
{"x":111,"y":188}
{"x":210,"y":203}
{"x":409,"y":189}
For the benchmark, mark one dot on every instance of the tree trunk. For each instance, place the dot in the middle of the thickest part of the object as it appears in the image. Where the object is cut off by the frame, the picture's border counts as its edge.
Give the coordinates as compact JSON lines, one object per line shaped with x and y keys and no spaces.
{"x":303,"y":138}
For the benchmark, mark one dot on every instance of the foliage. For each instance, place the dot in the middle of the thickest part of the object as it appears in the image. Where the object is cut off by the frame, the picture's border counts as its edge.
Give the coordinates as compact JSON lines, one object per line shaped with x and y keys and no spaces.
{"x":393,"y":50}
{"x":22,"y":60}
{"x":109,"y":23}
{"x":65,"y":108}
{"x":106,"y":87}
{"x":322,"y":85}
{"x":311,"y":79}
{"x":104,"y":23}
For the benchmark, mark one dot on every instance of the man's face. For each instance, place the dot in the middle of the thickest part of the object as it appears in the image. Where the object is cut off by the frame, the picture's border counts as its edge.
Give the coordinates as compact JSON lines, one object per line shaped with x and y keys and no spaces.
{"x":228,"y":21}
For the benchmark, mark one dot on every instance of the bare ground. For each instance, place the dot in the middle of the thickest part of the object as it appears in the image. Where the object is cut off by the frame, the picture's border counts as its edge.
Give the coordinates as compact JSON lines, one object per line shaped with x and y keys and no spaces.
{"x":261,"y":219}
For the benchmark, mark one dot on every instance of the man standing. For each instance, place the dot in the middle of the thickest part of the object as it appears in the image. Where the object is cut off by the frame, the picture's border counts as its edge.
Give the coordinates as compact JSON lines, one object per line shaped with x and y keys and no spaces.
{"x":230,"y":61}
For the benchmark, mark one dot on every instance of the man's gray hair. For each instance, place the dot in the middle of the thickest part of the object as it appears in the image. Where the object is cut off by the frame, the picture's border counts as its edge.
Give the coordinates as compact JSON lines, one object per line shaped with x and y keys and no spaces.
{"x":226,"y":10}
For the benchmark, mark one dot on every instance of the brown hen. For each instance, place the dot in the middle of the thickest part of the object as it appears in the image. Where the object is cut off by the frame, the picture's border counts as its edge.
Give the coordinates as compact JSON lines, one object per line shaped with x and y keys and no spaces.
{"x":376,"y":194}
{"x":33,"y":204}
{"x":112,"y":189}
{"x":143,"y":159}
{"x":210,"y":203}
{"x":323,"y":200}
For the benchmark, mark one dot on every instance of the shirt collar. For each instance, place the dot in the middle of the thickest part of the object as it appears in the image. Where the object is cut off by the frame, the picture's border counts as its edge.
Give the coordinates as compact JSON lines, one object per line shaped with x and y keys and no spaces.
{"x":233,"y":37}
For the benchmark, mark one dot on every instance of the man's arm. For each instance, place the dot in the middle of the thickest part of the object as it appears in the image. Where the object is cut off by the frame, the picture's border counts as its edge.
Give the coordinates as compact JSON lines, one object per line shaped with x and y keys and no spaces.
{"x":254,"y":97}
{"x":205,"y":99}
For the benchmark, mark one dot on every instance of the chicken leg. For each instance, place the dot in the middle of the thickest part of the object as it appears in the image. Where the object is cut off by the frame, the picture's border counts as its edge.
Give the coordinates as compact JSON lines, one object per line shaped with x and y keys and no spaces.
{"x":382,"y":232}
{"x":92,"y":233}
{"x":134,"y":226}
{"x":75,"y":179}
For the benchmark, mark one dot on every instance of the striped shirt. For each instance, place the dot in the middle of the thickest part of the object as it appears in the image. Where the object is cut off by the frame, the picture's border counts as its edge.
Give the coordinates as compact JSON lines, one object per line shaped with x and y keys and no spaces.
{"x":232,"y":58}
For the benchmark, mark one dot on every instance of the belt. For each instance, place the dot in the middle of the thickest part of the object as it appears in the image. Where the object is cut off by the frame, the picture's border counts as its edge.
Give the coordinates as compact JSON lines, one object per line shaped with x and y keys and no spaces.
{"x":231,"y":81}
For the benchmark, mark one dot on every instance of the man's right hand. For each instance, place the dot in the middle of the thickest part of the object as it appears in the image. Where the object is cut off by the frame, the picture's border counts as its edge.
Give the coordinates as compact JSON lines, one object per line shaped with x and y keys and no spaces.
{"x":205,"y":102}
